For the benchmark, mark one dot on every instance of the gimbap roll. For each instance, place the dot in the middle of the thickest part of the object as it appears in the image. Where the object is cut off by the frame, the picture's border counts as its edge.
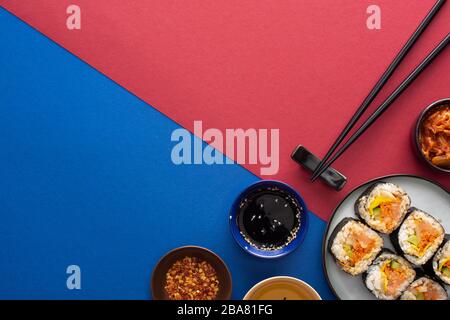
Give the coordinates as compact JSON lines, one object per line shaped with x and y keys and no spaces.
{"x":441,"y":263}
{"x":354,"y":246}
{"x":383,"y":206}
{"x":425,"y":289}
{"x":389,"y":276}
{"x":419,"y":237}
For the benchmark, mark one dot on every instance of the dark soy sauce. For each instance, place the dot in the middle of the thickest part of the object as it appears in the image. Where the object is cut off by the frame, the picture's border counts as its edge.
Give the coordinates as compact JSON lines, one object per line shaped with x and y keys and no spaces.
{"x":269,"y":219}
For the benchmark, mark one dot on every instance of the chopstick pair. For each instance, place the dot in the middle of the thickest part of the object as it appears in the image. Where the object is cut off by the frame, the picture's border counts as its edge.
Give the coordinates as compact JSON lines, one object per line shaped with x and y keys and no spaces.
{"x":329,"y":158}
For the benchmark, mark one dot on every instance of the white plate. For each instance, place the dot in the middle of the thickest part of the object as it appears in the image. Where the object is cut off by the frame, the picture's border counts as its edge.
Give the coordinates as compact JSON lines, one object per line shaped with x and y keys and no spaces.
{"x":425,"y":195}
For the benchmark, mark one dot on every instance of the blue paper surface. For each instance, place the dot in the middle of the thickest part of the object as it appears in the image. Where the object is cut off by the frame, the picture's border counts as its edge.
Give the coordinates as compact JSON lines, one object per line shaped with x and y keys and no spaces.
{"x":86,"y":179}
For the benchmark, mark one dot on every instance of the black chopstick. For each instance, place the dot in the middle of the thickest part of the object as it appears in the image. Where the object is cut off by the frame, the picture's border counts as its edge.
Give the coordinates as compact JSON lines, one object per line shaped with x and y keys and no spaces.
{"x":388,"y":102}
{"x":380,"y":84}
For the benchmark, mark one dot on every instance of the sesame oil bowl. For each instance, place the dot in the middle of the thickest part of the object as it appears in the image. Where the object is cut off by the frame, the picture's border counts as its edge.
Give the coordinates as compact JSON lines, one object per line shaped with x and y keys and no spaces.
{"x":282,"y":288}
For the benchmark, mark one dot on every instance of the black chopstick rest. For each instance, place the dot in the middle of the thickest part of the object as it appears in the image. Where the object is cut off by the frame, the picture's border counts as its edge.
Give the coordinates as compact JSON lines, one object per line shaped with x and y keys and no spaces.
{"x":330,"y":176}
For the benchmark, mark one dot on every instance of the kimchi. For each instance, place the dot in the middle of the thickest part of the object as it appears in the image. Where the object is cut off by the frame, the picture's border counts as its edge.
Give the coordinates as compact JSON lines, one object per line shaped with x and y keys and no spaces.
{"x":435,"y":137}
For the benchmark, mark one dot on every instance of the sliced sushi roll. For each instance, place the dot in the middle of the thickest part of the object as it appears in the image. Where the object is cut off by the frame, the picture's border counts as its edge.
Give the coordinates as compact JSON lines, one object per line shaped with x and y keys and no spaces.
{"x":441,"y":263}
{"x":383,"y":206}
{"x":425,"y":289}
{"x":419,"y":237}
{"x":389,"y":276}
{"x":354,"y":246}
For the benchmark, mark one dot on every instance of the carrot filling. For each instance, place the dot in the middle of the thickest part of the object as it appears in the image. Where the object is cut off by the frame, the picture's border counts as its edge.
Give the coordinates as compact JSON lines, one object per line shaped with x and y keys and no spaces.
{"x":426,"y":292}
{"x":444,"y":267}
{"x":393,"y":276}
{"x":387,"y":210}
{"x":359,"y":247}
{"x":424,"y":236}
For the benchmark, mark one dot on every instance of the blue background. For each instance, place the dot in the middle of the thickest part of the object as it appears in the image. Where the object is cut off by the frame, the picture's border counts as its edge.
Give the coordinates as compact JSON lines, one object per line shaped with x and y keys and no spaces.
{"x":86,"y":178}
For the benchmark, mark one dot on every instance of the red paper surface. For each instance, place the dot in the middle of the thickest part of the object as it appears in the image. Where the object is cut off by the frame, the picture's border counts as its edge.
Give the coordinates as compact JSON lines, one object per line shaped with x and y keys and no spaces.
{"x":300,"y":66}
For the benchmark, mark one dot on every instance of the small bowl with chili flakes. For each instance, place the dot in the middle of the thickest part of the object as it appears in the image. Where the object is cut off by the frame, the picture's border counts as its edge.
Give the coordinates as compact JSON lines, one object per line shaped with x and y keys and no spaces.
{"x":191,"y":273}
{"x":432,"y":135}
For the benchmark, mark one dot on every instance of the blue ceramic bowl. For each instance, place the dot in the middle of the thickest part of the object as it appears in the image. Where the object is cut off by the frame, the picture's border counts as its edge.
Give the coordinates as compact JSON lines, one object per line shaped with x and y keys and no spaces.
{"x":263,"y":184}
